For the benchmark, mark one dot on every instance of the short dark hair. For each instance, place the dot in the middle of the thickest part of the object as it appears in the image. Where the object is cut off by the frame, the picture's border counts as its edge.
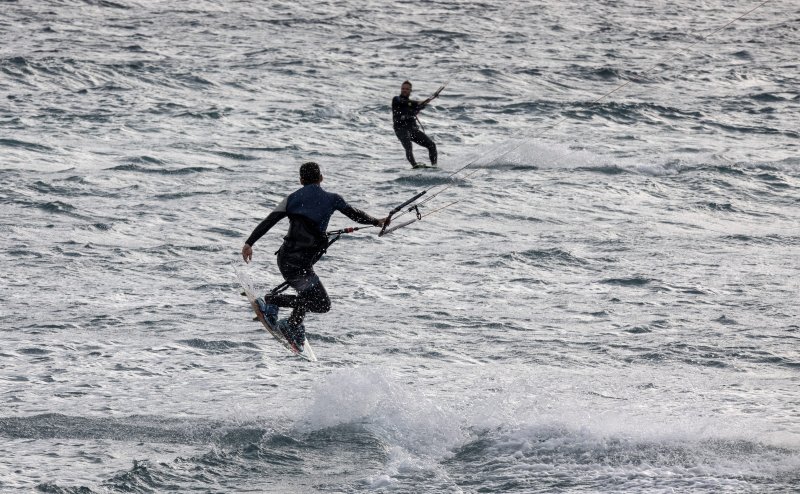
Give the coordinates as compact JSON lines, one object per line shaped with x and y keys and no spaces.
{"x":407,"y":82}
{"x":310,"y":174}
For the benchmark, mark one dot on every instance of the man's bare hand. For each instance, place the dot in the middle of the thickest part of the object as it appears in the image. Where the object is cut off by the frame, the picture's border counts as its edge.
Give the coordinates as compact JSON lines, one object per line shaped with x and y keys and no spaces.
{"x":247,"y":253}
{"x":384,"y":221}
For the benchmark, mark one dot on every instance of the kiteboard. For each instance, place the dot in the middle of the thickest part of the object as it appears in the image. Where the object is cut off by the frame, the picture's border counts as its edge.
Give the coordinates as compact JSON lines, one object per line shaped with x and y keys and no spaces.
{"x":249,"y":291}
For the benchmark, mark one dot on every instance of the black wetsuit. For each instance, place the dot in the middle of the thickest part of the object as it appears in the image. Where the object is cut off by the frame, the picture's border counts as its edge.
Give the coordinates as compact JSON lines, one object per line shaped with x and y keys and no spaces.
{"x":309,"y":209}
{"x":404,"y":117}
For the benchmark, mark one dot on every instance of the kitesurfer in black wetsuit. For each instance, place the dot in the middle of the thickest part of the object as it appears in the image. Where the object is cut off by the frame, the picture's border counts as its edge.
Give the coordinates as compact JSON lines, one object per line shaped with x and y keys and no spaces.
{"x":309,"y":209}
{"x":404,"y":117}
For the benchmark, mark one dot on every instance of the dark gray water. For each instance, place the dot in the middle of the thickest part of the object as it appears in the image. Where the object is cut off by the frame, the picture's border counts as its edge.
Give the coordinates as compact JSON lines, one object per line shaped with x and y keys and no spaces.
{"x":611,"y":306}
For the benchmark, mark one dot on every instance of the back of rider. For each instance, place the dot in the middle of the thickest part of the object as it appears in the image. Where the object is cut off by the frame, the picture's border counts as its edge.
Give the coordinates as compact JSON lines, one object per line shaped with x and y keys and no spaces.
{"x":309,"y":210}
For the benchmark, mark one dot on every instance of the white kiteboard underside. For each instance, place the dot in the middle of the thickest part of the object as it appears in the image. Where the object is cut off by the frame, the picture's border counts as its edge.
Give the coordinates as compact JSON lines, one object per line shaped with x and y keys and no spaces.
{"x":249,"y":290}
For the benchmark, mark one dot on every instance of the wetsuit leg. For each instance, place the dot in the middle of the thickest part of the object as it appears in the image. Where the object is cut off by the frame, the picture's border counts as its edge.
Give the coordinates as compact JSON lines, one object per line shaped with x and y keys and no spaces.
{"x":420,"y":138}
{"x":311,"y":294}
{"x":315,"y":299}
{"x":405,"y":139}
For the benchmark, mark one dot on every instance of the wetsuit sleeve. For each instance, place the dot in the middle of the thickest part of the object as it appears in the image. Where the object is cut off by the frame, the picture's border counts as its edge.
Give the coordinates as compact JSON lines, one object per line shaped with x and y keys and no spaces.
{"x":354,"y":214}
{"x":274,"y":217}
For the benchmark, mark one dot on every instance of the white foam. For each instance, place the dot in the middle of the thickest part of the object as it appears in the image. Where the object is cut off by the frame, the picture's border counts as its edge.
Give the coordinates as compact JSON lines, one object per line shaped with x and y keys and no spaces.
{"x":375,"y":397}
{"x":551,"y":422}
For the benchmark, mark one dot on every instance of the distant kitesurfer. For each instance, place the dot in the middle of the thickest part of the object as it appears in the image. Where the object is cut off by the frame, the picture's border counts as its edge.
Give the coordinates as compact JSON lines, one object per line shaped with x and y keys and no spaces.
{"x":404,"y":117}
{"x":309,"y":209}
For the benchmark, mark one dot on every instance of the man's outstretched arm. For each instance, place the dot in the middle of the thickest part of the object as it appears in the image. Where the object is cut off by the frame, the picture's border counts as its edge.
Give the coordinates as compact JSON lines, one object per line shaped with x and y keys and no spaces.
{"x":274,"y":217}
{"x":361,"y":217}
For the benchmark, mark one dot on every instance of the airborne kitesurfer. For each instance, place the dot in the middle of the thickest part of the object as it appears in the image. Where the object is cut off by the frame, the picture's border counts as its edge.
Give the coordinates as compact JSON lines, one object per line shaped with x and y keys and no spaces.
{"x":404,"y":118}
{"x":309,"y":209}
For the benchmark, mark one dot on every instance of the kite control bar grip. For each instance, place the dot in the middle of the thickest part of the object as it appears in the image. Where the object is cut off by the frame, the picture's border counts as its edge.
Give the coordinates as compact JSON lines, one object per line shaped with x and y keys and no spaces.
{"x":398,"y":208}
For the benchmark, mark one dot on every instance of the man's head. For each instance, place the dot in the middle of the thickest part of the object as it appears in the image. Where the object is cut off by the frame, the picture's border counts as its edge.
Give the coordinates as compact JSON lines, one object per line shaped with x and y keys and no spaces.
{"x":405,"y":89}
{"x":310,"y":174}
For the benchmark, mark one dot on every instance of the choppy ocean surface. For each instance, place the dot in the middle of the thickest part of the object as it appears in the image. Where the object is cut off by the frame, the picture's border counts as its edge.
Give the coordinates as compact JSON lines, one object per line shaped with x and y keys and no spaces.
{"x":612,"y":306}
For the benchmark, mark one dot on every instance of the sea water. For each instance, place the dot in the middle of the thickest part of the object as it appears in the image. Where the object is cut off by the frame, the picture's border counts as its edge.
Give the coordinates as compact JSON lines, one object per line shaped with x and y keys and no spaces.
{"x":610,"y":306}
